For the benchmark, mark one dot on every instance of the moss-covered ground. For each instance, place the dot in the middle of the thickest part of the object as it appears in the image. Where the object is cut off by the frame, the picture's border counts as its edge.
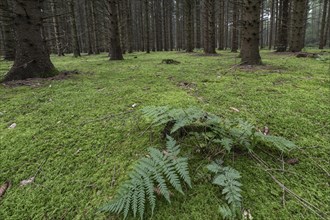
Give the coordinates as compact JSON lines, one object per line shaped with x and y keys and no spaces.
{"x":79,"y":136}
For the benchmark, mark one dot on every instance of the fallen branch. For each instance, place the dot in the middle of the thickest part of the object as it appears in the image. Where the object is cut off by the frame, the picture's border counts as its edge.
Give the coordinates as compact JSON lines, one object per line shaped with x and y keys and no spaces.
{"x":302,"y":201}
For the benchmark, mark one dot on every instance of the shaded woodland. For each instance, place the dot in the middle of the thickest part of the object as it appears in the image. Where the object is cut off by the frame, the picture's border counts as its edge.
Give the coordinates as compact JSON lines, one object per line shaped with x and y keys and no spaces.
{"x":119,"y":27}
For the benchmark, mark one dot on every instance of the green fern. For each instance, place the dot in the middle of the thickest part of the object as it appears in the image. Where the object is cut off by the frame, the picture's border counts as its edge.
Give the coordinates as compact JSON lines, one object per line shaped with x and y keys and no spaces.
{"x":228,"y":179}
{"x":214,"y":129}
{"x":159,"y":170}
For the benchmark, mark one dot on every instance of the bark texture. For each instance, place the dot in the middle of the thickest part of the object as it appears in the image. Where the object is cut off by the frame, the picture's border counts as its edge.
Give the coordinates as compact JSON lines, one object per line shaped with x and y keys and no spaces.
{"x":250,"y":32}
{"x":115,"y":47}
{"x":282,"y":42}
{"x":189,"y":19}
{"x":298,"y":25}
{"x":32,"y":57}
{"x":9,"y":39}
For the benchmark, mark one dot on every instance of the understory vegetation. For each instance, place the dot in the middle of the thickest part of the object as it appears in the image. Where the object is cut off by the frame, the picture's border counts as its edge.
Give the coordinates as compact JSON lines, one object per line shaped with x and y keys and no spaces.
{"x":80,"y":136}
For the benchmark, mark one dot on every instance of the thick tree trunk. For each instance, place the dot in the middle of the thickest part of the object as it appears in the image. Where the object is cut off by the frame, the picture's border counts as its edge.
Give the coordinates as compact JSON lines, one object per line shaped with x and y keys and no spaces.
{"x":9,"y":40}
{"x":323,"y":32}
{"x":234,"y":40}
{"x":115,"y":47}
{"x":189,"y":18}
{"x":32,"y":57}
{"x":250,"y":32}
{"x":282,"y":42}
{"x":209,"y":26}
{"x":75,"y":40}
{"x":298,"y":25}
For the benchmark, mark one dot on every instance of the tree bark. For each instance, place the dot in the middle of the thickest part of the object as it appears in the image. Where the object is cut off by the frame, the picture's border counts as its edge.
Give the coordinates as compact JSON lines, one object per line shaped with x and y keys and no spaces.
{"x":250,"y":32}
{"x":272,"y":22}
{"x":115,"y":47}
{"x":95,"y":28}
{"x":282,"y":42}
{"x":298,"y":25}
{"x":75,"y":40}
{"x":146,"y":5}
{"x":32,"y":57}
{"x":189,"y":18}
{"x":323,"y":31}
{"x":88,"y":29}
{"x":234,"y":40}
{"x":198,"y":24}
{"x":9,"y":40}
{"x":209,"y":26}
{"x":221,"y":24}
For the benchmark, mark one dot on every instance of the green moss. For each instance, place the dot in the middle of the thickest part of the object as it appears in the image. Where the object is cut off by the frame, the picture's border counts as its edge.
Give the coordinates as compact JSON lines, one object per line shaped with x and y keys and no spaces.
{"x":83,"y":135}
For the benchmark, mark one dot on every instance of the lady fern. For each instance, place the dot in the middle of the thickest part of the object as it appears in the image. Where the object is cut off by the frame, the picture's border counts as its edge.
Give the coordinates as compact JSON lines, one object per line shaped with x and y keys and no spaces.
{"x":222,"y":132}
{"x":228,"y":179}
{"x":155,"y":173}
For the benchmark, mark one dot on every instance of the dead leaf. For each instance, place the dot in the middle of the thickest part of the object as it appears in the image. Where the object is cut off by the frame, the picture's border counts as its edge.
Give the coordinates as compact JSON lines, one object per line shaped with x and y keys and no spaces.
{"x":292,"y":161}
{"x":12,"y":126}
{"x":27,"y":181}
{"x":4,"y":188}
{"x":234,"y":109}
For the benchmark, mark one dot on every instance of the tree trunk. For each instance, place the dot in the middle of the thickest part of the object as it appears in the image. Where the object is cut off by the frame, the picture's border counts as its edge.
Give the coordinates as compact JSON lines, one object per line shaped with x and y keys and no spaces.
{"x":234,"y":40}
{"x":272,"y":22}
{"x":327,"y":32}
{"x":165,"y":25}
{"x":159,"y":30}
{"x":9,"y":40}
{"x":209,"y":26}
{"x":129,"y":31}
{"x":262,"y":24}
{"x":323,"y":32}
{"x":75,"y":40}
{"x":298,"y":25}
{"x":146,"y":5}
{"x":282,"y":42}
{"x":95,"y":28}
{"x":189,"y":18}
{"x":32,"y":57}
{"x":88,"y":29}
{"x":221,"y":24}
{"x":198,"y":24}
{"x":250,"y":32}
{"x":115,"y":47}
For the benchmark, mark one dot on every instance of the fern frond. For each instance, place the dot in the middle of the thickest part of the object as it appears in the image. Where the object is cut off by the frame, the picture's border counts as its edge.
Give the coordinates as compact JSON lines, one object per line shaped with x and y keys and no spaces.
{"x":158,"y":170}
{"x":280,"y":143}
{"x":227,"y":178}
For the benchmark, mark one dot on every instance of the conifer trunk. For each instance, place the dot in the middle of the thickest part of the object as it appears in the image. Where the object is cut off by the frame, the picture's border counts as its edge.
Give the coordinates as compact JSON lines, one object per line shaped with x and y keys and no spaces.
{"x":250,"y":32}
{"x":32,"y":57}
{"x":115,"y":47}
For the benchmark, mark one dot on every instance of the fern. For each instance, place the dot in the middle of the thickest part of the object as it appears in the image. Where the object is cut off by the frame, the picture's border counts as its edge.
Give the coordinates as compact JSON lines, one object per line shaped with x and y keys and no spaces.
{"x":159,"y":170}
{"x":214,"y":129}
{"x":228,"y":179}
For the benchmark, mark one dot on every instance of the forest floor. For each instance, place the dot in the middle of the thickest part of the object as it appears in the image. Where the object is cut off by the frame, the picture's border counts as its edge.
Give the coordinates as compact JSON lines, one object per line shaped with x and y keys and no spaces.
{"x":78,"y":135}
